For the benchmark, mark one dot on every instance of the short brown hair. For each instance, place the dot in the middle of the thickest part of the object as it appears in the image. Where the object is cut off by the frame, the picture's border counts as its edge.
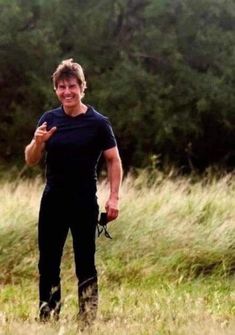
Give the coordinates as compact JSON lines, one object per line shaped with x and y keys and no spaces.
{"x":69,"y":69}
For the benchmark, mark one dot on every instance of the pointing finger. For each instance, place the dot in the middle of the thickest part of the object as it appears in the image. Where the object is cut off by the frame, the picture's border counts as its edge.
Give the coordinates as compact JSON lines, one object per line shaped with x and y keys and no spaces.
{"x":52,"y":130}
{"x":43,"y":126}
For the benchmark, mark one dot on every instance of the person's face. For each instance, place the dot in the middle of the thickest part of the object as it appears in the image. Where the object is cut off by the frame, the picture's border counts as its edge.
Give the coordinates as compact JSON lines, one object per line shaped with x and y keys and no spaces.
{"x":69,"y":92}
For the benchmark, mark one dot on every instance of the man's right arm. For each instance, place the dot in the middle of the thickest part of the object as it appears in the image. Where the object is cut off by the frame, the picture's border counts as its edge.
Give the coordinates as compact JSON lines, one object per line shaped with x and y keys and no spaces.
{"x":34,"y":152}
{"x":35,"y":149}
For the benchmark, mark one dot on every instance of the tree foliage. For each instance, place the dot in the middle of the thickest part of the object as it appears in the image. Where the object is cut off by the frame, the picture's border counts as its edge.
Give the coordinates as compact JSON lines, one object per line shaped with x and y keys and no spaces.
{"x":163,"y":71}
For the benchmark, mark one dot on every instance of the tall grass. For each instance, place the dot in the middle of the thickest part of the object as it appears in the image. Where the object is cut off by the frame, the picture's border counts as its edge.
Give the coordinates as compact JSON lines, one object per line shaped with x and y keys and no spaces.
{"x":169,"y":268}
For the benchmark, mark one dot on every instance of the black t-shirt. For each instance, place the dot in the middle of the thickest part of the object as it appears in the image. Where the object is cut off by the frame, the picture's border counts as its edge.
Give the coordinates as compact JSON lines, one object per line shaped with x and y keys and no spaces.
{"x":74,"y":149}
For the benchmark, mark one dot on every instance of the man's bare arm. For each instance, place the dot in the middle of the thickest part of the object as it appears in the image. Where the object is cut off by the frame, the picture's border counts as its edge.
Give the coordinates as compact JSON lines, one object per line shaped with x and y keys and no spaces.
{"x":114,"y":168}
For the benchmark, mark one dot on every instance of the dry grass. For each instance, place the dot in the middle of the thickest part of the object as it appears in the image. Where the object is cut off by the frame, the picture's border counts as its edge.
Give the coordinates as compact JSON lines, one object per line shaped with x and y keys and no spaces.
{"x":168,"y":270}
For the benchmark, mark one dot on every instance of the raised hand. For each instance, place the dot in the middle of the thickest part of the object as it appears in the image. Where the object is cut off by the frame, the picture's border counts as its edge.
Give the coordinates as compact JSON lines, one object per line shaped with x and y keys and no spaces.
{"x":41,"y":134}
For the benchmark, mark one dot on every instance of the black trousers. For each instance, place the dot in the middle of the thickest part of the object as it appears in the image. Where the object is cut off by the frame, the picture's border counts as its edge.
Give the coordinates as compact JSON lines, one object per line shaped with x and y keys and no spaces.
{"x":62,"y":210}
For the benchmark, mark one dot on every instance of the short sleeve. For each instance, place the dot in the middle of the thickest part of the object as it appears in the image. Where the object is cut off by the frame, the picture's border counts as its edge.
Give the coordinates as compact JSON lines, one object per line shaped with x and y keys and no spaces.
{"x":108,"y":139}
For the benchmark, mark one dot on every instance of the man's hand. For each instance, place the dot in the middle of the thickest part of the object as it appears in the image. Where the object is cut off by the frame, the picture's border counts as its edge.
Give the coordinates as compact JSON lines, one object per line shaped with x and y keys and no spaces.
{"x":111,"y":208}
{"x":41,"y":134}
{"x":34,"y":150}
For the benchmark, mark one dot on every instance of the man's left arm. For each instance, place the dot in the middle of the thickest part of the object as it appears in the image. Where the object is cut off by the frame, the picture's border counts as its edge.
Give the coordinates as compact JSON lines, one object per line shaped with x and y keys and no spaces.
{"x":114,"y":168}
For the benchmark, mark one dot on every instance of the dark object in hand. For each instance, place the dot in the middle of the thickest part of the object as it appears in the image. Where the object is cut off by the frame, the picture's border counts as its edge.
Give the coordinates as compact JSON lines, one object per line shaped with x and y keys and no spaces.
{"x":103,"y":219}
{"x":102,"y":225}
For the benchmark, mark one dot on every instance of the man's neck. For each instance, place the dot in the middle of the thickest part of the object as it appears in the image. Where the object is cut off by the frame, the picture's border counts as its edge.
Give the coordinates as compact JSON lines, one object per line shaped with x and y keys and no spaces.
{"x":74,"y":111}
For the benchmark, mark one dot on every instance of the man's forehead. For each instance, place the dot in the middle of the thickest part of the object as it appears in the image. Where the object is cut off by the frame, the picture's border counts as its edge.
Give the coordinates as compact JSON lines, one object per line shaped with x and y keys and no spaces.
{"x":68,"y":81}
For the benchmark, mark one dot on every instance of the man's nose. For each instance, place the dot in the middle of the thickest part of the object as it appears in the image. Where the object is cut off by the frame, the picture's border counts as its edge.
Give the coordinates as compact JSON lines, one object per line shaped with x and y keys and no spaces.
{"x":67,"y":90}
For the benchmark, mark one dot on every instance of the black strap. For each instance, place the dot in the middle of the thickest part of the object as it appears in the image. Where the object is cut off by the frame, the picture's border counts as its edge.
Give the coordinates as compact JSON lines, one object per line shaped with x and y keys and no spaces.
{"x":103,"y":229}
{"x":102,"y":226}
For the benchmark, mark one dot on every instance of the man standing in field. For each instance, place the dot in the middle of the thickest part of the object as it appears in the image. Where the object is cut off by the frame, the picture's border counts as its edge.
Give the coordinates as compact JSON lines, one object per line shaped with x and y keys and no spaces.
{"x":73,"y":136}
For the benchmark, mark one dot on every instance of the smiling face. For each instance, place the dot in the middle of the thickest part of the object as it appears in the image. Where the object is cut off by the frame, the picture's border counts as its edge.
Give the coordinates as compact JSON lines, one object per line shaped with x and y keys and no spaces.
{"x":69,"y":93}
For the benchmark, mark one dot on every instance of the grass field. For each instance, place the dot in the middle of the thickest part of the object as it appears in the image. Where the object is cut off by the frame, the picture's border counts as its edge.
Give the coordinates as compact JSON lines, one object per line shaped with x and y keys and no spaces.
{"x":169,"y":269}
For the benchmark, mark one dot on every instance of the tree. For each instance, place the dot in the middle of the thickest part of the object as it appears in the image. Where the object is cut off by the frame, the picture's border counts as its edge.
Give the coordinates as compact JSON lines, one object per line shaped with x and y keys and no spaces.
{"x":163,"y":71}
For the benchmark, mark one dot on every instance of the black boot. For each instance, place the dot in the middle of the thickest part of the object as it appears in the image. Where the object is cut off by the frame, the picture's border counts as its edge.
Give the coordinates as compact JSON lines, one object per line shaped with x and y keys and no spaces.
{"x":51,"y":309}
{"x":44,"y":312}
{"x":88,"y":301}
{"x":54,"y":302}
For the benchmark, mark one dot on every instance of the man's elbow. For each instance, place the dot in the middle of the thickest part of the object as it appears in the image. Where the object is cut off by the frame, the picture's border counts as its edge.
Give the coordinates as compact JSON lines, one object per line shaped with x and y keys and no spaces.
{"x":30,"y":161}
{"x":116,"y":160}
{"x":113,"y":158}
